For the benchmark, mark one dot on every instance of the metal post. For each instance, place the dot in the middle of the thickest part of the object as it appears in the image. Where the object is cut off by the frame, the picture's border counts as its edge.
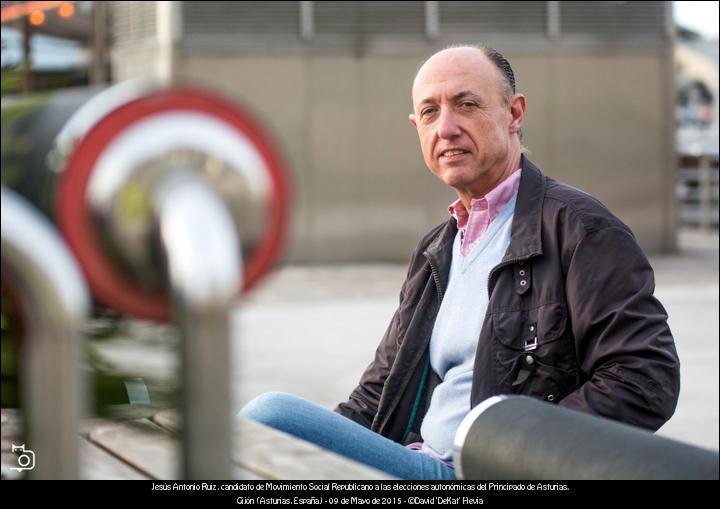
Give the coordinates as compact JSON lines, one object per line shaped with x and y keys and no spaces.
{"x":307,"y":20}
{"x":54,"y":303}
{"x":169,"y":18}
{"x":26,"y":75}
{"x":203,"y":263}
{"x":162,"y":228}
{"x":553,"y":20}
{"x":432,"y":20}
{"x":99,"y":48}
{"x":705,"y":189}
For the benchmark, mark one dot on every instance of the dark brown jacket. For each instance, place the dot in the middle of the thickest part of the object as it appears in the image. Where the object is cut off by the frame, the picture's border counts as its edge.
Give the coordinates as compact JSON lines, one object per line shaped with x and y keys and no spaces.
{"x":574,"y":282}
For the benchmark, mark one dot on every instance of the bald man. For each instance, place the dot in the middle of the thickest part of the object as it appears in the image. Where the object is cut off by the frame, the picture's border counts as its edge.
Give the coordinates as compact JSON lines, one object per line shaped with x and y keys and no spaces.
{"x":530,"y":287}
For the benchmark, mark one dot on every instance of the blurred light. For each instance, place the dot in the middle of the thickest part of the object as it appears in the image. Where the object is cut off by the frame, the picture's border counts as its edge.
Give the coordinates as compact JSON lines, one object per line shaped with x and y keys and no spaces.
{"x":37,"y":18}
{"x":22,"y":9}
{"x":66,"y":10}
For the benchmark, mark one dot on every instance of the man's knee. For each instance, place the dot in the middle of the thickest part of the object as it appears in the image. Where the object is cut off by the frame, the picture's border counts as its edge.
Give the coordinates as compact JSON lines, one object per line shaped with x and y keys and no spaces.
{"x":269,"y":408}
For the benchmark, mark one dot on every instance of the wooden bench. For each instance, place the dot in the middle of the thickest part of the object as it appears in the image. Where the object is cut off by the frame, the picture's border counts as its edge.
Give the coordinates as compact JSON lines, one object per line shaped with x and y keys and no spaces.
{"x":143,"y":444}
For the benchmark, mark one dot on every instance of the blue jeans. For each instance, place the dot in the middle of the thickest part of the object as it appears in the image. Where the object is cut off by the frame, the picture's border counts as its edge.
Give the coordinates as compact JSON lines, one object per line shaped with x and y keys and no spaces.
{"x":330,"y":430}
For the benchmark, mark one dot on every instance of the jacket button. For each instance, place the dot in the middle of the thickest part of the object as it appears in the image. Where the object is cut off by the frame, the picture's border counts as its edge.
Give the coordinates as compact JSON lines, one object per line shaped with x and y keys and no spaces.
{"x":551,"y":397}
{"x":523,"y":282}
{"x":522,"y":272}
{"x":532,"y":328}
{"x":529,"y":360}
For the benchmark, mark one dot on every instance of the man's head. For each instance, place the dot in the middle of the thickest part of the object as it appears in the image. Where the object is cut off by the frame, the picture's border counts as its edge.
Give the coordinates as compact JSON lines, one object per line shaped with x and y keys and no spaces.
{"x":468,"y":117}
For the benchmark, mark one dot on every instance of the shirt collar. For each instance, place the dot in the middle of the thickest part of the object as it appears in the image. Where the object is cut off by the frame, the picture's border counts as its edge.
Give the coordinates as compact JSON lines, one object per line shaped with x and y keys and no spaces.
{"x":492,"y":203}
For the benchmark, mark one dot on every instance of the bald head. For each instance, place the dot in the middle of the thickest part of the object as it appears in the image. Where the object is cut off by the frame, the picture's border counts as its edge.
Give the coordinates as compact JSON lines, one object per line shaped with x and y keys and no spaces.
{"x":484,"y":59}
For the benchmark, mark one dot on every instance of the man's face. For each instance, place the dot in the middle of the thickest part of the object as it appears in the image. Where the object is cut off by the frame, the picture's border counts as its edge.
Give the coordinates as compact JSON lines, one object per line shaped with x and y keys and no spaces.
{"x":466,"y":125}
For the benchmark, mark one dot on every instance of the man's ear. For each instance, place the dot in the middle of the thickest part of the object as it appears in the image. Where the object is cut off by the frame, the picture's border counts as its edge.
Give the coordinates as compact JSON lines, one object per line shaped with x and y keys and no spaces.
{"x":517,"y":111}
{"x":411,"y":117}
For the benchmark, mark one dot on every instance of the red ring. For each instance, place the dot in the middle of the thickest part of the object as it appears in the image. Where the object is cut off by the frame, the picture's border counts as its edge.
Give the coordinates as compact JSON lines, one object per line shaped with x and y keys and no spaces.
{"x":109,"y":284}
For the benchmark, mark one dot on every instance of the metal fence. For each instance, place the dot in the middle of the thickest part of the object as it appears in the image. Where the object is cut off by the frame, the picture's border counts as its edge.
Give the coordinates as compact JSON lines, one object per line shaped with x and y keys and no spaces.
{"x":697,"y":178}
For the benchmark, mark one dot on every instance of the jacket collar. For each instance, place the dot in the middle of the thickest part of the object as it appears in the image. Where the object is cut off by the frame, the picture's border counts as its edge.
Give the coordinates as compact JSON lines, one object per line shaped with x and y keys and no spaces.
{"x":525,"y":241}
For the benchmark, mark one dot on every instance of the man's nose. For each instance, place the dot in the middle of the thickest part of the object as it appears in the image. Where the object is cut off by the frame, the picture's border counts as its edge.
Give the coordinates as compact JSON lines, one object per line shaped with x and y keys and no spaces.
{"x":447,"y":125}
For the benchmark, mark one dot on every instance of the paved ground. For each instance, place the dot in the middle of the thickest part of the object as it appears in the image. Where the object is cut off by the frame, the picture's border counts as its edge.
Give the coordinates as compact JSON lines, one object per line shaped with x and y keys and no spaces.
{"x":688,"y":287}
{"x":313,"y":330}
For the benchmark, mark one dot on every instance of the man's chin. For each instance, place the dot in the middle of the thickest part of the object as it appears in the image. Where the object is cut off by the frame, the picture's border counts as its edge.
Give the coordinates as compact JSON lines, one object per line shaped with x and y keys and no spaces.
{"x":456,"y":177}
{"x":458,"y":181}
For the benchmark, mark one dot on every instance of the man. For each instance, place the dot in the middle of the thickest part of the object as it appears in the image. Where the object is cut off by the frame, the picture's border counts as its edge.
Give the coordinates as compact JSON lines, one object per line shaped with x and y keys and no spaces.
{"x":532,"y":287}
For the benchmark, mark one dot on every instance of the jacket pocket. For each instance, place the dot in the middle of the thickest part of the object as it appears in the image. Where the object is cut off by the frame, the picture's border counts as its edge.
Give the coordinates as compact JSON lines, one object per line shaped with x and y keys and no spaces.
{"x":533,"y":353}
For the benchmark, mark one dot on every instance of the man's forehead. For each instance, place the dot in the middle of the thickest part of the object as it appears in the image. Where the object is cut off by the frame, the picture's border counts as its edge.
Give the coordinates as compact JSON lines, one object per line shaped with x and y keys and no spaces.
{"x":454,"y":71}
{"x":462,"y":94}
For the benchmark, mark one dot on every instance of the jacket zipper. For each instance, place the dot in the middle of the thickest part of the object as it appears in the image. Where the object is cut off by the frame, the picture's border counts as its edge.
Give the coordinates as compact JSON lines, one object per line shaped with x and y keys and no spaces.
{"x":435,"y":277}
{"x":419,"y":391}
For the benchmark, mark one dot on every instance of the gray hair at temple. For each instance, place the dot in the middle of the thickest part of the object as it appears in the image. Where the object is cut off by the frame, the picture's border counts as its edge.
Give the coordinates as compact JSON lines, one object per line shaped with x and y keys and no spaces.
{"x":504,"y":66}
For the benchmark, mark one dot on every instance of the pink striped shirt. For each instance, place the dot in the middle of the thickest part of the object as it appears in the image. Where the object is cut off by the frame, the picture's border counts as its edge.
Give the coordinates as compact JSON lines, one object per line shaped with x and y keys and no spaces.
{"x":482,"y":211}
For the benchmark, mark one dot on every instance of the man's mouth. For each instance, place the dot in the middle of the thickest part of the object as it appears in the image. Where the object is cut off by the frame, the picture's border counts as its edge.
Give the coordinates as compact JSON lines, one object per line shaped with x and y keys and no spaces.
{"x":453,"y":152}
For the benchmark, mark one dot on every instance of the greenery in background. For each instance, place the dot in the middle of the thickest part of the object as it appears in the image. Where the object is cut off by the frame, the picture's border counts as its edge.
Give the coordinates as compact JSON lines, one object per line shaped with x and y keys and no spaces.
{"x":42,"y":80}
{"x":10,"y":389}
{"x":106,"y":382}
{"x":15,"y":146}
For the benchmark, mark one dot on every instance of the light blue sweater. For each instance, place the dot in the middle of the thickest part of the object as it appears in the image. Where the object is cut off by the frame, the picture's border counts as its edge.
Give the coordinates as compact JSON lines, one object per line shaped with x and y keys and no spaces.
{"x":457,"y":330}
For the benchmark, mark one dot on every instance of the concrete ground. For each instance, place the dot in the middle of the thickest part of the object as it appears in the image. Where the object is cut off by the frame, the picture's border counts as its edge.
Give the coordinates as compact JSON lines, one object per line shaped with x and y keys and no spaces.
{"x":687,"y":285}
{"x":312,"y":331}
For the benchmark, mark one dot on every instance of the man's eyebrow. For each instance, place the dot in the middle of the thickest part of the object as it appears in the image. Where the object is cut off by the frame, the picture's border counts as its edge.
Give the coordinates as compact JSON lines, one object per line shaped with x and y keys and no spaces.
{"x":456,"y":97}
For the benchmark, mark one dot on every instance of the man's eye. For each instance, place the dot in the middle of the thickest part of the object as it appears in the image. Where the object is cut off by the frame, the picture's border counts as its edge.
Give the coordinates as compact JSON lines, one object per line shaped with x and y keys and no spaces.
{"x":468,"y":104}
{"x":427,"y":112}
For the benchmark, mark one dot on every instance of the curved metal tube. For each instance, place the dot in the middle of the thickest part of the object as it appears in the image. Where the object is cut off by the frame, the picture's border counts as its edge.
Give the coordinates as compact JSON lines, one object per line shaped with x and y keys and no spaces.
{"x":54,"y":301}
{"x":203,"y":257}
{"x":517,"y":437}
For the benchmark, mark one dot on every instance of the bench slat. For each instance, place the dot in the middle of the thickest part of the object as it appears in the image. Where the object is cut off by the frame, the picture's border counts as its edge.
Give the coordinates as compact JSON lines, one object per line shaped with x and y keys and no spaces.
{"x":97,"y":463}
{"x":273,"y":454}
{"x":148,"y":448}
{"x":141,"y":444}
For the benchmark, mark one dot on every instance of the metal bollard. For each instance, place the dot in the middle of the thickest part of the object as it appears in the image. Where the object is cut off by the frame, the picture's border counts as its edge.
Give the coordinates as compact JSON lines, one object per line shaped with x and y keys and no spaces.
{"x":173,"y":200}
{"x":45,"y":282}
{"x":193,"y":223}
{"x":157,"y":200}
{"x":517,"y":437}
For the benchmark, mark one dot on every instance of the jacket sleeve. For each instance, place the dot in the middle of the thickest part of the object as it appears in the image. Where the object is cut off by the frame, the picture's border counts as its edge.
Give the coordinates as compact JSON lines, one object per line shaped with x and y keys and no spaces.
{"x":363,"y":402}
{"x":623,"y":342}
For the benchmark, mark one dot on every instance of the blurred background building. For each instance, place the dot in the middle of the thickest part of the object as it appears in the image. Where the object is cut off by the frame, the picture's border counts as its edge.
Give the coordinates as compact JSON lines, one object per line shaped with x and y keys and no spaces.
{"x":331,"y":81}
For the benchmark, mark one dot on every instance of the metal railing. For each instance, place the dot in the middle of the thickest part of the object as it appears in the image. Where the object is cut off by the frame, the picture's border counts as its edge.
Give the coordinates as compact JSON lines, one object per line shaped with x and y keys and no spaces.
{"x":43,"y":278}
{"x":697,"y":179}
{"x":159,"y":190}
